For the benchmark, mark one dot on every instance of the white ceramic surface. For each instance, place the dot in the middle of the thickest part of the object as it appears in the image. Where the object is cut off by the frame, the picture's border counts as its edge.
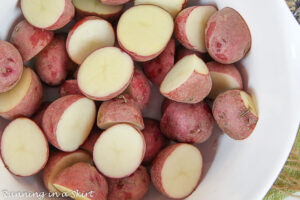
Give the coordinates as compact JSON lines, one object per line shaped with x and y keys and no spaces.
{"x":238,"y":170}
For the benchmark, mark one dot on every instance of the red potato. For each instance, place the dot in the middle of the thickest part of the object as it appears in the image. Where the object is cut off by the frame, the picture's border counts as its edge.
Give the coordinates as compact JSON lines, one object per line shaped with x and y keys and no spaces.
{"x":30,"y":40}
{"x":190,"y":123}
{"x":48,"y":14}
{"x":52,"y":63}
{"x":24,"y":147}
{"x":24,"y":99}
{"x":139,"y":89}
{"x":69,"y":87}
{"x":133,"y":187}
{"x":228,"y":37}
{"x":165,"y":104}
{"x":122,"y":109}
{"x":157,"y":69}
{"x":119,"y":151}
{"x":182,"y":52}
{"x":89,"y":143}
{"x":38,"y":116}
{"x":190,"y":27}
{"x":60,"y":160}
{"x":175,"y":174}
{"x":97,"y":85}
{"x":172,"y":6}
{"x":134,"y":27}
{"x":11,"y":66}
{"x":188,"y":81}
{"x":235,"y":113}
{"x":68,"y":121}
{"x":224,"y":77}
{"x":96,"y":8}
{"x":82,"y":181}
{"x":114,"y":2}
{"x":87,"y":35}
{"x":155,"y":140}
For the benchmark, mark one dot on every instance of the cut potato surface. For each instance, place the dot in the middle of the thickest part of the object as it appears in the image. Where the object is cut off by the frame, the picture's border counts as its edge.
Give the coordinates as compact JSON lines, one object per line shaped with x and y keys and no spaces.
{"x":75,"y":123}
{"x":181,"y":72}
{"x":105,"y":73}
{"x":145,"y":30}
{"x":95,"y":6}
{"x":24,"y":148}
{"x":196,"y":24}
{"x":172,"y":6}
{"x":248,"y":102}
{"x":181,"y":171}
{"x":13,"y":97}
{"x":119,"y":151}
{"x":87,"y":35}
{"x":42,"y":13}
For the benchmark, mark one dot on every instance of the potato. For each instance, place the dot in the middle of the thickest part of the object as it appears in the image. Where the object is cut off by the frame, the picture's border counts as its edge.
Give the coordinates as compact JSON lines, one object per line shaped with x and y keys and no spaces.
{"x":188,"y":81}
{"x":166,"y":102}
{"x":24,"y":99}
{"x":58,"y":161}
{"x":68,"y":121}
{"x":69,"y":87}
{"x":38,"y":116}
{"x":133,"y":187}
{"x":139,"y":89}
{"x":182,"y":51}
{"x":224,"y":77}
{"x":52,"y":63}
{"x":120,"y":110}
{"x":190,"y":123}
{"x":228,"y":37}
{"x":157,"y":69}
{"x":48,"y":15}
{"x":155,"y":140}
{"x":235,"y":113}
{"x":176,"y":171}
{"x":114,"y":2}
{"x":82,"y":180}
{"x":89,"y":143}
{"x":30,"y":40}
{"x":11,"y":66}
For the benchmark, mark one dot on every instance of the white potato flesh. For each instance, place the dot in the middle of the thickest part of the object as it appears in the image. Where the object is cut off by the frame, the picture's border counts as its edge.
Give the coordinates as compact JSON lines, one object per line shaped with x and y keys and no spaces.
{"x":119,"y":151}
{"x":248,"y":102}
{"x":172,"y":6}
{"x":105,"y":72}
{"x":89,"y":36}
{"x":75,"y":124}
{"x":42,"y":13}
{"x":145,"y":29}
{"x":182,"y":71}
{"x":196,"y":24}
{"x":95,"y":6}
{"x":181,"y":171}
{"x":11,"y":98}
{"x":24,"y":147}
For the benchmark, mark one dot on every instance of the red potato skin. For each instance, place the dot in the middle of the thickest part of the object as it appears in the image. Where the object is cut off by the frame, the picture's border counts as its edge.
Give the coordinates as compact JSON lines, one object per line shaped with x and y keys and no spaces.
{"x":120,"y":110}
{"x":89,"y":143}
{"x":139,"y":89}
{"x":155,"y":140}
{"x":190,"y":123}
{"x":30,"y":40}
{"x":193,"y":90}
{"x":80,"y":14}
{"x":165,"y":104}
{"x":52,"y":63}
{"x":157,"y":166}
{"x":55,"y":157}
{"x":84,"y":178}
{"x":30,"y":102}
{"x":53,"y":114}
{"x":157,"y":69}
{"x":38,"y":116}
{"x":228,"y":37}
{"x":11,"y":66}
{"x":69,"y":87}
{"x":4,"y":163}
{"x":182,"y":52}
{"x":232,"y":116}
{"x":114,"y":2}
{"x":133,"y":187}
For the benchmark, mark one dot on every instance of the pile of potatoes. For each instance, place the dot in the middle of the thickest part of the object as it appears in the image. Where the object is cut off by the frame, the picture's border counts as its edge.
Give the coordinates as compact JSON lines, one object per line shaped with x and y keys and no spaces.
{"x":94,"y":139}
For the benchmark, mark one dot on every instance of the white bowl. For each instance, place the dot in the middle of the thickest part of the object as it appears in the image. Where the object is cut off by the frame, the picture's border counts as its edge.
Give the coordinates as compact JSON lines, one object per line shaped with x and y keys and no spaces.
{"x":240,"y":170}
